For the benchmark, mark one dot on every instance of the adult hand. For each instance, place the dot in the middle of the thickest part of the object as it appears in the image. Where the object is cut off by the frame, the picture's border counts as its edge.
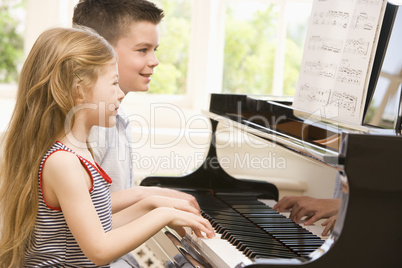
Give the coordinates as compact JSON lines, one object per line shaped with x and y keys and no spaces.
{"x":329,"y":225}
{"x":315,"y":209}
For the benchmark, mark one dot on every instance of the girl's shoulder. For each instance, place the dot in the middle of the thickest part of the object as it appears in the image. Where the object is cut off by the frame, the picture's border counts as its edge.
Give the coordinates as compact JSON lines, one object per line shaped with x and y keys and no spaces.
{"x":59,"y":154}
{"x":61,"y":162}
{"x":60,"y":174}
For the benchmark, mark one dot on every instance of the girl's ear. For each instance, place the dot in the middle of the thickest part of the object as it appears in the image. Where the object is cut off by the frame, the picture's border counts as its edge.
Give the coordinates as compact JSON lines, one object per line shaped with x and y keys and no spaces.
{"x":79,"y":94}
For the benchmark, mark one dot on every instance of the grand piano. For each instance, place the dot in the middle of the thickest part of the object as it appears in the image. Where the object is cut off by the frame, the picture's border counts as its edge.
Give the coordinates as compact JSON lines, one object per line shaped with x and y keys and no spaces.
{"x":367,"y":158}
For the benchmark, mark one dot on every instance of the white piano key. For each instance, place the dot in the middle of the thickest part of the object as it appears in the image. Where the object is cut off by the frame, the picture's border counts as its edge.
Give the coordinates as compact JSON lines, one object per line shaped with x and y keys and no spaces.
{"x":219,"y":252}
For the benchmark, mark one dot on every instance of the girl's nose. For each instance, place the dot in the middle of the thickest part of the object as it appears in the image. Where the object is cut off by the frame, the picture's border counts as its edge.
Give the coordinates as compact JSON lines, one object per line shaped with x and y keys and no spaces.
{"x":120,"y":93}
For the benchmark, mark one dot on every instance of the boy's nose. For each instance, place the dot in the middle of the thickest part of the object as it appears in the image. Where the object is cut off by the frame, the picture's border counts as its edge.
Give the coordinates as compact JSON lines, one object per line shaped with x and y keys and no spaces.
{"x":153,"y":62}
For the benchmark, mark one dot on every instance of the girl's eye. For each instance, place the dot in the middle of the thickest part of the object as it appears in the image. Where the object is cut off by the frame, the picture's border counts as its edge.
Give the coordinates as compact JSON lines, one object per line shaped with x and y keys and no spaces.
{"x":143,"y":50}
{"x":116,"y":83}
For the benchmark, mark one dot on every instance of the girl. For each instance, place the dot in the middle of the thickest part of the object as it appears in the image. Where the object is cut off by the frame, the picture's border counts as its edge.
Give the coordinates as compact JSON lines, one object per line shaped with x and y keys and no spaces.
{"x":55,"y":202}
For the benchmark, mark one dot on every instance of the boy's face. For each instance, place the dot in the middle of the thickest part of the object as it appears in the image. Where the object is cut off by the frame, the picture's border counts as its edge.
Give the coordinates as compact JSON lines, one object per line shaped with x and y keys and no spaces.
{"x":136,"y":56}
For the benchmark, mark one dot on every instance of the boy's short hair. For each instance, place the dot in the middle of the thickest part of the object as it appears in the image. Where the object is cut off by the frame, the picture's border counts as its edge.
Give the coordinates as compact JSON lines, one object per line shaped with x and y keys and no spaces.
{"x":112,"y":18}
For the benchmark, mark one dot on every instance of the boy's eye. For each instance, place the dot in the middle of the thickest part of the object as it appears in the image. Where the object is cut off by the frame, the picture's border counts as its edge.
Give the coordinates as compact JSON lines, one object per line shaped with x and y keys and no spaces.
{"x":144,"y":50}
{"x":116,"y":83}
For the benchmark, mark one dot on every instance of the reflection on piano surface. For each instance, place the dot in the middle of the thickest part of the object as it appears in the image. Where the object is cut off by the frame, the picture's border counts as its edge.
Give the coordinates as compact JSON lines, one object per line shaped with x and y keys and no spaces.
{"x":251,"y":234}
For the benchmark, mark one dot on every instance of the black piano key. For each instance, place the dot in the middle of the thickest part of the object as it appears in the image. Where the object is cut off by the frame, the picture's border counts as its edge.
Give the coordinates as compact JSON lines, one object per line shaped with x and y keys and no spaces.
{"x":244,"y":208}
{"x":254,"y":227}
{"x":258,"y":233}
{"x":269,"y":256}
{"x":278,"y":225}
{"x":301,"y":239}
{"x":235,"y":237}
{"x":276,"y":229}
{"x":228,"y":218}
{"x":254,"y":252}
{"x":232,"y":217}
{"x":244,"y":245}
{"x":255,"y":209}
{"x":259,"y":221}
{"x":252,"y":216}
{"x":303,"y":242}
{"x":246,"y":211}
{"x":236,"y":223}
{"x":244,"y":242}
{"x":229,"y":228}
{"x":246,"y":228}
{"x":263,"y":240}
{"x":303,"y":250}
{"x":294,"y":236}
{"x":271,"y":220}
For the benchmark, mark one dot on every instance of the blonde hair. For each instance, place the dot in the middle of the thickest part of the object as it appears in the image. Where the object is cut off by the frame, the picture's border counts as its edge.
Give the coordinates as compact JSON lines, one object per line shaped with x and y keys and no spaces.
{"x":59,"y":59}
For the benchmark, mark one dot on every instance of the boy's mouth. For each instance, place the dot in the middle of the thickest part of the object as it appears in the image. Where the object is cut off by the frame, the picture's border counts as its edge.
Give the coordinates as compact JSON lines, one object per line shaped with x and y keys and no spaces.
{"x":146,"y":75}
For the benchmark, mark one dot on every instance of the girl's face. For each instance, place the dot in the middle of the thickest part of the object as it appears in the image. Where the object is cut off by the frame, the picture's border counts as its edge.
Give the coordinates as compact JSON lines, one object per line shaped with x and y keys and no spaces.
{"x":137,"y":59}
{"x":106,"y":96}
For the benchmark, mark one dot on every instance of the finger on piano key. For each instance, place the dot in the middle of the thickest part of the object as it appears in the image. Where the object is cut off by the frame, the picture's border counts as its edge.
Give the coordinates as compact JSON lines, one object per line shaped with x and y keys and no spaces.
{"x":219,"y":252}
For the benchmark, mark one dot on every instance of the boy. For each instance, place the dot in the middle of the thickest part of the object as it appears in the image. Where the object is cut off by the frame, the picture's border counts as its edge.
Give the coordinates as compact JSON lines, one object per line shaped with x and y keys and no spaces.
{"x":131,"y":27}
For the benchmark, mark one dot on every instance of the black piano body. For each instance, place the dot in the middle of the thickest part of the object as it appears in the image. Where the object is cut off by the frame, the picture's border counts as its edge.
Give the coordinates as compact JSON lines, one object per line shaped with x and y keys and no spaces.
{"x":368,"y":231}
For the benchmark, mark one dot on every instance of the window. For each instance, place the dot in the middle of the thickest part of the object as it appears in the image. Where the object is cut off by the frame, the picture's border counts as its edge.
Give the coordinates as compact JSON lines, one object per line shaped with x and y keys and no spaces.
{"x":230,"y":46}
{"x":11,"y":39}
{"x":206,"y":46}
{"x":263,"y":46}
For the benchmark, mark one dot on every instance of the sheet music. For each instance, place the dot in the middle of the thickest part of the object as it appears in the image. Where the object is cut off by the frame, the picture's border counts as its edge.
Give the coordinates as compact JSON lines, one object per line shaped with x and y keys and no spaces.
{"x":338,"y":54}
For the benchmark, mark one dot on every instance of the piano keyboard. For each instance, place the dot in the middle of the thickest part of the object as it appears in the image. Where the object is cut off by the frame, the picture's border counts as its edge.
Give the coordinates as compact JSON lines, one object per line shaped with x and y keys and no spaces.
{"x":248,"y":229}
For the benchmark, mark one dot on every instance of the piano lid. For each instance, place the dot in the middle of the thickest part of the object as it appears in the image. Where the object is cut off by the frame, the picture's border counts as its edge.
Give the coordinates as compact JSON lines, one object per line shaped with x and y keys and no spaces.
{"x":384,"y":91}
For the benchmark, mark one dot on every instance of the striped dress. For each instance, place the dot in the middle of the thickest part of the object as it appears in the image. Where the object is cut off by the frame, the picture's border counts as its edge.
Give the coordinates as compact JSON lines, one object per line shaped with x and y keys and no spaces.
{"x":54,"y":244}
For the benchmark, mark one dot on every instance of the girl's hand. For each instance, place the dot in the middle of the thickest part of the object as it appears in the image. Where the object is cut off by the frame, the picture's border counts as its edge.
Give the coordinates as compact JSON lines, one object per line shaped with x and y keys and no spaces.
{"x":170,"y":193}
{"x":170,"y":202}
{"x":149,"y":204}
{"x":197,"y":223}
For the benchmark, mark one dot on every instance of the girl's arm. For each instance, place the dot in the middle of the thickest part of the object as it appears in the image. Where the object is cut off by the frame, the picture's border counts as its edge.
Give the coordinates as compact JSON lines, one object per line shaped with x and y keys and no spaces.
{"x":125,"y":198}
{"x":149,"y":203}
{"x":66,"y":183}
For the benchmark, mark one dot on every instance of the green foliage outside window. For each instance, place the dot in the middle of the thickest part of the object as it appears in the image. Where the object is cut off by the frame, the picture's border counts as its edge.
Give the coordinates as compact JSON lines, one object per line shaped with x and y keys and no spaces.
{"x":249,"y":52}
{"x":250,"y":46}
{"x":11,"y":42}
{"x":170,"y":75}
